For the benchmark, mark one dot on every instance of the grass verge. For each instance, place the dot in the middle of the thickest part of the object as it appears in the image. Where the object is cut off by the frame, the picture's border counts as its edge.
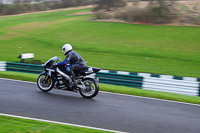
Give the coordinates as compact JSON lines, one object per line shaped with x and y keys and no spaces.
{"x":18,"y":125}
{"x":115,"y":89}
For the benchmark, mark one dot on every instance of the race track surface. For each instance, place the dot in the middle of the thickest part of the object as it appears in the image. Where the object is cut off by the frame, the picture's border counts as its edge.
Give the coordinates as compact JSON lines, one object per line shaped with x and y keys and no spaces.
{"x":109,"y":111}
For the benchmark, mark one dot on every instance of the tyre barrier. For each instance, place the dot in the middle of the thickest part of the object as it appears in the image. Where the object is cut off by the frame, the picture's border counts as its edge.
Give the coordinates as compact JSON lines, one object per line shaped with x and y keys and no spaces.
{"x":147,"y":81}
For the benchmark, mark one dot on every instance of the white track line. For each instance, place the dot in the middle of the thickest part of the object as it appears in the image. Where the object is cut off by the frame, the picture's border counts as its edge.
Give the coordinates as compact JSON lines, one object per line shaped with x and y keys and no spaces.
{"x":119,"y":94}
{"x":19,"y":81}
{"x":62,"y":123}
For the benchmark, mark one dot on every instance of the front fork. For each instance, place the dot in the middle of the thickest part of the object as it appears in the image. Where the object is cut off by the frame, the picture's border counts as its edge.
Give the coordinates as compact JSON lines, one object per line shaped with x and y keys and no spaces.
{"x":47,"y":76}
{"x":46,"y":79}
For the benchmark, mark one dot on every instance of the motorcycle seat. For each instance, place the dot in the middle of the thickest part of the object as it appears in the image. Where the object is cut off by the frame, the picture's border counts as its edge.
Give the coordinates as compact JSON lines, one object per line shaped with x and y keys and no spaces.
{"x":88,"y":70}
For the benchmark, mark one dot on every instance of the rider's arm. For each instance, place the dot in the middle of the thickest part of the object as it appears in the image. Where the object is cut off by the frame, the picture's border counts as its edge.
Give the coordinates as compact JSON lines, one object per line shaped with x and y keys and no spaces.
{"x":67,"y":59}
{"x":63,"y":62}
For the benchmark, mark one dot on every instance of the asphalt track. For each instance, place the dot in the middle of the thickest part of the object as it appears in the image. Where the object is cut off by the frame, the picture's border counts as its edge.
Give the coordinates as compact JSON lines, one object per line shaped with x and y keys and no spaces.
{"x":109,"y":111}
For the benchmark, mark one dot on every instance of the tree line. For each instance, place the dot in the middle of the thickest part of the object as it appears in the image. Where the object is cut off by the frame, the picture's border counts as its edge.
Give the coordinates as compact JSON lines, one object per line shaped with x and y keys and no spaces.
{"x":156,"y":11}
{"x":22,"y":6}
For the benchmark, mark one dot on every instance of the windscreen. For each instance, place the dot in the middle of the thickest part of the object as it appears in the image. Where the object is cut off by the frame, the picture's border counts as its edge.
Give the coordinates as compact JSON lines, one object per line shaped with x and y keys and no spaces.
{"x":53,"y":59}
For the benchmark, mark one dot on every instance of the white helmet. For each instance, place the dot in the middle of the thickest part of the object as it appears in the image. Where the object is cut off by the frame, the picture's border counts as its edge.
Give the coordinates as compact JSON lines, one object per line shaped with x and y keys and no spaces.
{"x":66,"y":48}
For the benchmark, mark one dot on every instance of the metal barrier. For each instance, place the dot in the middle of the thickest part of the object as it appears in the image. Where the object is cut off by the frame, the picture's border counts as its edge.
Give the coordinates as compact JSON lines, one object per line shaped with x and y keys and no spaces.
{"x":120,"y":79}
{"x":166,"y":83}
{"x":171,"y":85}
{"x":21,"y":67}
{"x":2,"y":66}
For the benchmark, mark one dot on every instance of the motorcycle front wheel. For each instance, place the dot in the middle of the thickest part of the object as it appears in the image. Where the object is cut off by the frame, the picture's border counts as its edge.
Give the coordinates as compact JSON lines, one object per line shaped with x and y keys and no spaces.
{"x":91,"y":88}
{"x":45,"y":82}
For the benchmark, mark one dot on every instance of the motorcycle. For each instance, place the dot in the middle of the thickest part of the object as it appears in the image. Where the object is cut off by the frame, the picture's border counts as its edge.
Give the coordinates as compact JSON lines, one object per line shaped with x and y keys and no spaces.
{"x":53,"y":77}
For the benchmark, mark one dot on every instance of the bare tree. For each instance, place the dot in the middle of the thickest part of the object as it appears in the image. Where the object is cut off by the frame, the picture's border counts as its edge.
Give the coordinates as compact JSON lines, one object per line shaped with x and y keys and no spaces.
{"x":163,"y":9}
{"x":21,"y":6}
{"x":1,"y":7}
{"x":109,"y":4}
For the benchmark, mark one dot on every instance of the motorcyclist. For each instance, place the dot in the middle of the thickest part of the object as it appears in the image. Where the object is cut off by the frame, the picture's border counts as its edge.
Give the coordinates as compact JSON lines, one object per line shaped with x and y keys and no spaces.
{"x":76,"y":62}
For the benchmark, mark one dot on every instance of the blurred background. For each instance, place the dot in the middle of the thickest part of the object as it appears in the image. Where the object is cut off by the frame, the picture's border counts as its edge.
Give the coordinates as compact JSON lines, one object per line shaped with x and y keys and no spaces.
{"x":151,"y":36}
{"x":142,"y":11}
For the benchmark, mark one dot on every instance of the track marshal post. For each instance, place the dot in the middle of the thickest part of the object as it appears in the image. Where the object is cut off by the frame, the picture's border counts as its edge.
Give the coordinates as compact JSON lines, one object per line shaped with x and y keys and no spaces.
{"x":26,"y":56}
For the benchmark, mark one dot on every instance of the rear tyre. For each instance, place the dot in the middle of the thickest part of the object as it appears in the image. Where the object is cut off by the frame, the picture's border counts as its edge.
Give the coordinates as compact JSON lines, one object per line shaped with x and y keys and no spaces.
{"x":45,"y":82}
{"x":91,"y":90}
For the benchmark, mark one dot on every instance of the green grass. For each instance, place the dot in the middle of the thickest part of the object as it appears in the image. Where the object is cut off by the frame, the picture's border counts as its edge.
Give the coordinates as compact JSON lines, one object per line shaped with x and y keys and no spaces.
{"x":16,"y":125}
{"x":115,"y":89}
{"x":19,"y":76}
{"x":139,"y":48}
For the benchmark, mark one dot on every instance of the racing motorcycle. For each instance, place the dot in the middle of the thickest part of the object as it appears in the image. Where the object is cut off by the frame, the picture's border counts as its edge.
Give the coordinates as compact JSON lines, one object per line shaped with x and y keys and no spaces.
{"x":54,"y":77}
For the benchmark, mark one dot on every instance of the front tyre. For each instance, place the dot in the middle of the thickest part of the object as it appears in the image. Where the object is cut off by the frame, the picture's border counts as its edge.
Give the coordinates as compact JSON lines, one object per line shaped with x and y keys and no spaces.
{"x":45,"y":82}
{"x":91,"y":88}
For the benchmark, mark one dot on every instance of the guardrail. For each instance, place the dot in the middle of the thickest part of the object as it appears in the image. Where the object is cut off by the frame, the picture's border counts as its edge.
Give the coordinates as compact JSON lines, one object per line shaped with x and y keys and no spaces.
{"x":171,"y":85}
{"x":120,"y":79}
{"x":166,"y":83}
{"x":2,"y":66}
{"x":21,"y":67}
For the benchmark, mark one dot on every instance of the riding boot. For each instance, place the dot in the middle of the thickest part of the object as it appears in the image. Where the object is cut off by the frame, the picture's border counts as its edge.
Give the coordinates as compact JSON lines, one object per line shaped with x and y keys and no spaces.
{"x":73,"y":77}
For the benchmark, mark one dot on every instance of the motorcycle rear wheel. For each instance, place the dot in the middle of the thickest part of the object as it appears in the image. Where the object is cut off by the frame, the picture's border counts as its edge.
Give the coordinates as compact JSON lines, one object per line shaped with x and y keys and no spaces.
{"x":45,"y":83}
{"x":91,"y":90}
